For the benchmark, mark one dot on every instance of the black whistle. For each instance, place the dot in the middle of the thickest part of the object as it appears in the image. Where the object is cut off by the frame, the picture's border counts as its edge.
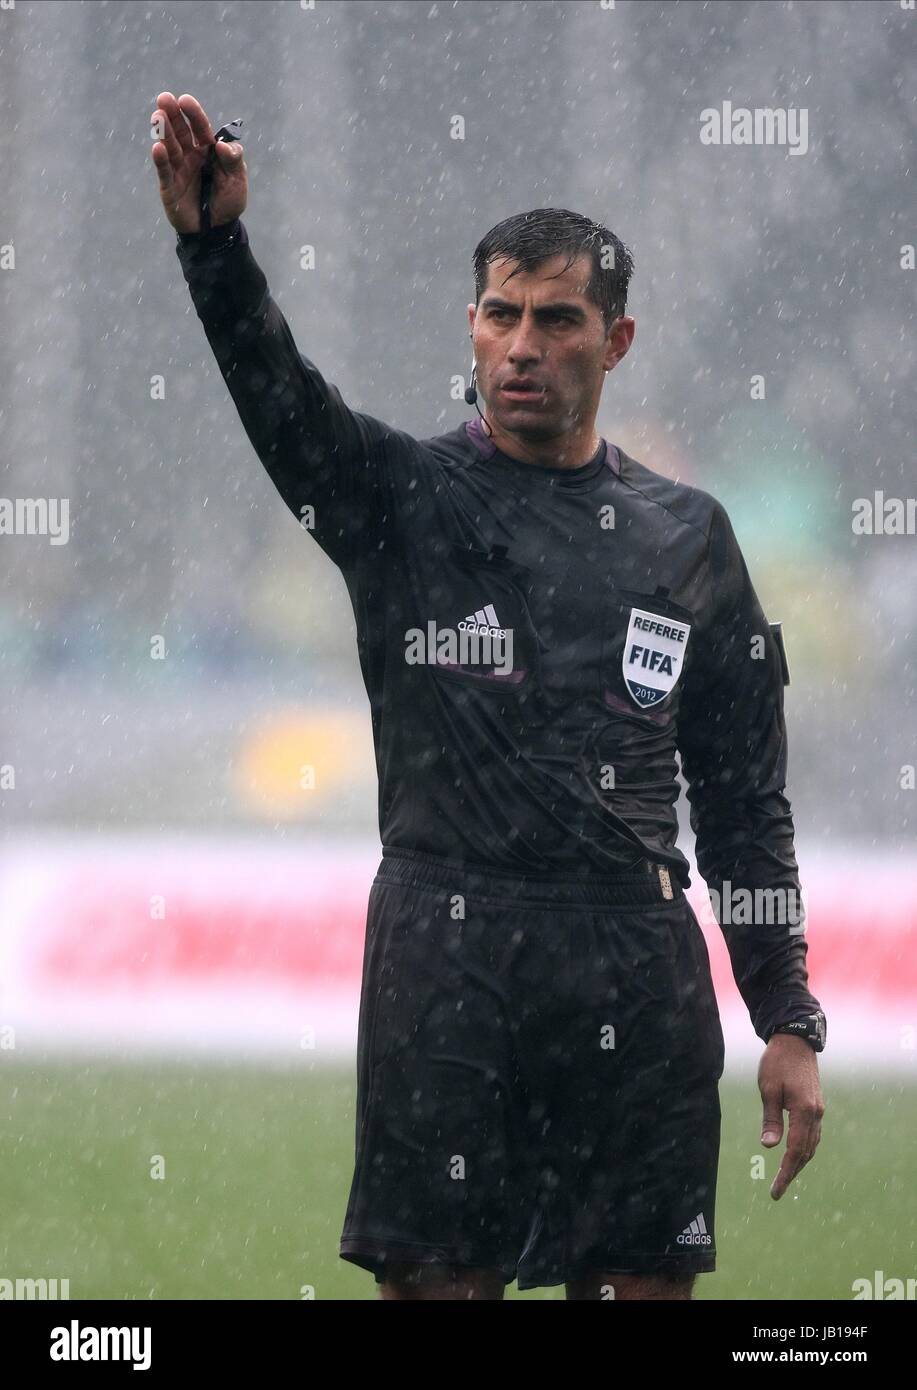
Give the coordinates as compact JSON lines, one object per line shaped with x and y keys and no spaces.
{"x":232,"y":130}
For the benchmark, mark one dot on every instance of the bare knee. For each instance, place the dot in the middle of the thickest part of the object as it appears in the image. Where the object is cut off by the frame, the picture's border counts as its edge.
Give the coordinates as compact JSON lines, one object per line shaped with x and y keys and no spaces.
{"x":437,"y":1281}
{"x":629,"y":1287}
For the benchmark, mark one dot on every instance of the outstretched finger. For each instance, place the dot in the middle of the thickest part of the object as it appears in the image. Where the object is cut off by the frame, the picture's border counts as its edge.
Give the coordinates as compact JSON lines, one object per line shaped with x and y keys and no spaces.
{"x":801,"y":1142}
{"x":201,"y":128}
{"x":163,"y":167}
{"x":180,"y":128}
{"x":791,"y":1165}
{"x":163,"y":132}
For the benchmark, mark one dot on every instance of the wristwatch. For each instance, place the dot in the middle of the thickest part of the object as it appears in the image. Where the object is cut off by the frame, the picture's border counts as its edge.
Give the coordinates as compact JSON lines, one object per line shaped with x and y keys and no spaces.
{"x":813,"y":1027}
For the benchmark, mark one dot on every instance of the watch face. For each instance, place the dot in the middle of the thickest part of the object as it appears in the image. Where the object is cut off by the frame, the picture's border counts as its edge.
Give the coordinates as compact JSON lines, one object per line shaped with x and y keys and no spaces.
{"x":813,"y":1028}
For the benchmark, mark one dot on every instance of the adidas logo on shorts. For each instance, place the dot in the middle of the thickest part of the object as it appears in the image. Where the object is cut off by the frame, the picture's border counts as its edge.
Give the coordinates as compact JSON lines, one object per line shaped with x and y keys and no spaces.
{"x":485,"y":621}
{"x":696,"y":1233}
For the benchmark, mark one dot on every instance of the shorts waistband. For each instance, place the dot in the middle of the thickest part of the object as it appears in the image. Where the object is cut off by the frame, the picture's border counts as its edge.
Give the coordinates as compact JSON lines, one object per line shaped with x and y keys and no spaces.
{"x":653,"y":883}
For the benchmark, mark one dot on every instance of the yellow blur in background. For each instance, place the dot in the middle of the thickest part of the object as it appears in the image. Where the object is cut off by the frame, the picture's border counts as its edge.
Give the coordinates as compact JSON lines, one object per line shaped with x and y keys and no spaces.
{"x":299,"y":757}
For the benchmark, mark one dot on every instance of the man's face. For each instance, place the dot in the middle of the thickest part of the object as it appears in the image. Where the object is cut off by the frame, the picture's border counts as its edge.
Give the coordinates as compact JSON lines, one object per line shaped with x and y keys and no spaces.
{"x":541,"y":347}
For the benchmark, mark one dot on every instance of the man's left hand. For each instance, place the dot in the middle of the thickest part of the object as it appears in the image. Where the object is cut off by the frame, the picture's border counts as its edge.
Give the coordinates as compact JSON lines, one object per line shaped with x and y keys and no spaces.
{"x":788,"y":1080}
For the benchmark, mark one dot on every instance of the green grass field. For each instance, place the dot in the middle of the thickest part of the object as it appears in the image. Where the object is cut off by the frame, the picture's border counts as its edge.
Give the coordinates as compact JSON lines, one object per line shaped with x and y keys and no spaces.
{"x":258,"y":1167}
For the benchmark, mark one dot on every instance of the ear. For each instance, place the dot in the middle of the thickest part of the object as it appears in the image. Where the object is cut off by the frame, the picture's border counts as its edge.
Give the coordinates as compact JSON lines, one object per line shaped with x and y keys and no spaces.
{"x":618,"y":341}
{"x":471,"y":314}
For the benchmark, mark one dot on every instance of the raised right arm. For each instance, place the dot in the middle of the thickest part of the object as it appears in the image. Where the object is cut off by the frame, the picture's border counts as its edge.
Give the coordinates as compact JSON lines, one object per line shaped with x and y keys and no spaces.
{"x":320,"y":454}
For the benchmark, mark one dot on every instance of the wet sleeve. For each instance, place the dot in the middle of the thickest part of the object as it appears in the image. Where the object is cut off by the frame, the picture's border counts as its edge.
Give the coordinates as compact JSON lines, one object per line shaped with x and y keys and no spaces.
{"x":322,"y":457}
{"x":733,"y":747}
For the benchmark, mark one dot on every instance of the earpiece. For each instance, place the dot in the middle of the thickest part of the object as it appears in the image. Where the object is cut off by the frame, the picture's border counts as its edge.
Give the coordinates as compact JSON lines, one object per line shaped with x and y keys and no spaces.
{"x":471,"y":395}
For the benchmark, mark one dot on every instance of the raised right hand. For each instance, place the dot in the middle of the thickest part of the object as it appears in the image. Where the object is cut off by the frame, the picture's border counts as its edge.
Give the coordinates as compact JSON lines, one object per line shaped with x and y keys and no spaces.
{"x":178,"y":157}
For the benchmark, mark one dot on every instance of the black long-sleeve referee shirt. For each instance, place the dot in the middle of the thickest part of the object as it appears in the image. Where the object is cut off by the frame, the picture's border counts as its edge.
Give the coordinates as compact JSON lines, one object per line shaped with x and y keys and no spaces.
{"x":635,"y":635}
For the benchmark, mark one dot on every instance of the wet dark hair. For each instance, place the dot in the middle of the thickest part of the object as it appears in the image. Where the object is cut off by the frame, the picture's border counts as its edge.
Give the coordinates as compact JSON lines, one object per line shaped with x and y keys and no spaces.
{"x":532,"y":237}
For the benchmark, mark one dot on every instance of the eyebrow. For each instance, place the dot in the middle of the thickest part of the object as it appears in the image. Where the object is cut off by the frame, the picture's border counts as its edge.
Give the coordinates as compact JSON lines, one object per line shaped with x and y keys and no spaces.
{"x":492,"y":301}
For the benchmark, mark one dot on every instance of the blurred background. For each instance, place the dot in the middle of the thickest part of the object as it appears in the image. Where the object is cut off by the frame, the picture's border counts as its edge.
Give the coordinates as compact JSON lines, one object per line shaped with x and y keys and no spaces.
{"x":180,"y":919}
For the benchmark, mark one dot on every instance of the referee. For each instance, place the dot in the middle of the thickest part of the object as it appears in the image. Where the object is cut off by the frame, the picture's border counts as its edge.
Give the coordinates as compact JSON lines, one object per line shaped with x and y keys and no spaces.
{"x":542,"y":623}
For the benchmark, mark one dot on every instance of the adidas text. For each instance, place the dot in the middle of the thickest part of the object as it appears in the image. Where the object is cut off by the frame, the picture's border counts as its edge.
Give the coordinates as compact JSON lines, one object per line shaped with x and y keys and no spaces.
{"x":696,"y":1233}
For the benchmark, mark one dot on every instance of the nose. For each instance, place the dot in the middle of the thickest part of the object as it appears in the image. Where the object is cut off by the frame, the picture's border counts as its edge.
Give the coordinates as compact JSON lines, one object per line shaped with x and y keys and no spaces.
{"x":524,"y":347}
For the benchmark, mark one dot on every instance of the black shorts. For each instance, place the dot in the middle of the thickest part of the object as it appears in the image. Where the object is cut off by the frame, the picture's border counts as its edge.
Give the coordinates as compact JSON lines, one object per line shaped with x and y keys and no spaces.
{"x":537,"y":1077}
